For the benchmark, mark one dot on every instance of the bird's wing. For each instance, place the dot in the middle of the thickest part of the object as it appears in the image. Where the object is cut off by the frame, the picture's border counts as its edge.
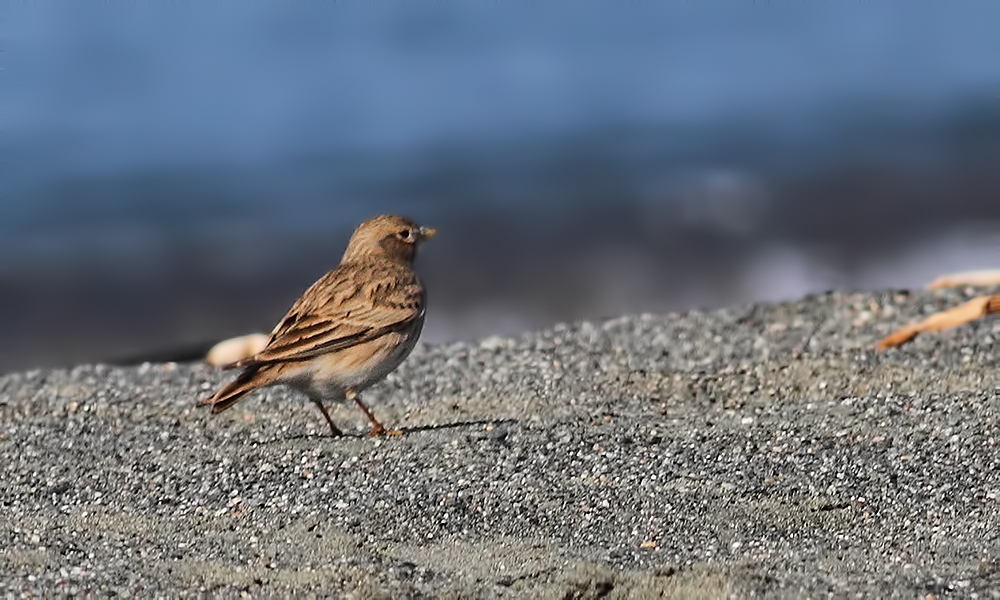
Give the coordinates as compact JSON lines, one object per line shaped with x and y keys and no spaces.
{"x":350,"y":305}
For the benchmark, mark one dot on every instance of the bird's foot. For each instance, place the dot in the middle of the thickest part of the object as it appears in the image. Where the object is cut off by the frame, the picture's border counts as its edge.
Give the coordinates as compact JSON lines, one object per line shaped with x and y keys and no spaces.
{"x":378,"y":431}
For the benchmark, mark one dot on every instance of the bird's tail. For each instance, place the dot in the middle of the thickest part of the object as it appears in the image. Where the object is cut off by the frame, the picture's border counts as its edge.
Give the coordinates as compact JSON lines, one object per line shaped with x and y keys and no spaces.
{"x":249,"y":380}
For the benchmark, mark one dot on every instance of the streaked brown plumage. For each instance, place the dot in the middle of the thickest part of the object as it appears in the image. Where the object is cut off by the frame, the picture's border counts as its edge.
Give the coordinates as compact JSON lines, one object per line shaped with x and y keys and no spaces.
{"x":349,"y":329}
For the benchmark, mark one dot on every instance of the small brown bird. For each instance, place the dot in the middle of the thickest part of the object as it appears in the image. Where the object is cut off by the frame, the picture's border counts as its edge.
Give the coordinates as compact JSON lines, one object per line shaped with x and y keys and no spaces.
{"x":349,"y":329}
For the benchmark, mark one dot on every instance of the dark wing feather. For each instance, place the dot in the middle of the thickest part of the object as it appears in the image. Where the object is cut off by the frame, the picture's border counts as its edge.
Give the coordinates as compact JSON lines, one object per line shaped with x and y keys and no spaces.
{"x":350,"y":305}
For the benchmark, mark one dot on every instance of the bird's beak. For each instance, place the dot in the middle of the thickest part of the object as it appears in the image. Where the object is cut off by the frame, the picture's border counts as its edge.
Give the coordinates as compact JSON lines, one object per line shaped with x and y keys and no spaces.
{"x":427,"y":232}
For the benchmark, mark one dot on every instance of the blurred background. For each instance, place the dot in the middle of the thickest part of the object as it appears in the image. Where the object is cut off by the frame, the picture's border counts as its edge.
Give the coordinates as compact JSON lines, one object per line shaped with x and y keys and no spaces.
{"x":177,"y":173}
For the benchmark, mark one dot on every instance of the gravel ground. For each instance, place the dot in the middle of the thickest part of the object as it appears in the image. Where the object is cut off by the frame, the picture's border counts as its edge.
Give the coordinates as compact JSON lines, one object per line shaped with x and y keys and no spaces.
{"x":762,"y":450}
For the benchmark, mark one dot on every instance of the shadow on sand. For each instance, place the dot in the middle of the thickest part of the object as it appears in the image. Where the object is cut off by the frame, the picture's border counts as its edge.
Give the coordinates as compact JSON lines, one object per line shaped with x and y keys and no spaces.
{"x":402,"y":431}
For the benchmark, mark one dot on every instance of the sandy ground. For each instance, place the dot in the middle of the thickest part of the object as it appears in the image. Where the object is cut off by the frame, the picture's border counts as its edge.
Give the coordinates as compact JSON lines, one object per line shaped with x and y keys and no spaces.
{"x":760,"y":450}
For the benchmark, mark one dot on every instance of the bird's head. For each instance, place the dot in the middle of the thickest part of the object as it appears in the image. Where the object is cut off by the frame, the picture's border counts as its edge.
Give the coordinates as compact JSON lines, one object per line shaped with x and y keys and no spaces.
{"x":388,"y":236}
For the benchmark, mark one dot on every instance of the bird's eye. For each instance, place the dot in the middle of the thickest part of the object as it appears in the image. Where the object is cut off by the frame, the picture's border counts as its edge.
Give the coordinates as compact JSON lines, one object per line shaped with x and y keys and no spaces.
{"x":404,"y":234}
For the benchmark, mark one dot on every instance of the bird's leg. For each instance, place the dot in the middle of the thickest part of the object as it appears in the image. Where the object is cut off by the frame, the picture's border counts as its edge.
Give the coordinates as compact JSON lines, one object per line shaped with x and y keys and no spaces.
{"x":333,"y":428}
{"x":377,"y":428}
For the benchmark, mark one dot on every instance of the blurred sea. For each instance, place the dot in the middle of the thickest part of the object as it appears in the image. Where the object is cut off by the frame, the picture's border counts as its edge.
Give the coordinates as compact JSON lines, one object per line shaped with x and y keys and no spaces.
{"x":176,"y":173}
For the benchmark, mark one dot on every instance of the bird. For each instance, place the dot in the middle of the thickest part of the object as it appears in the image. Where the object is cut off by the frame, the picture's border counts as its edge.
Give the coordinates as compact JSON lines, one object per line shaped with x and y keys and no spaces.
{"x":349,"y":330}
